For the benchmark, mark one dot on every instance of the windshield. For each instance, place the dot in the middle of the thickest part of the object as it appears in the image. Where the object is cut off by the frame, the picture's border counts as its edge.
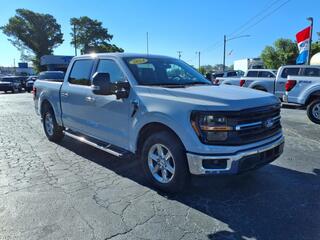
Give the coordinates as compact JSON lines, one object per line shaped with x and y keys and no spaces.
{"x":164,"y":71}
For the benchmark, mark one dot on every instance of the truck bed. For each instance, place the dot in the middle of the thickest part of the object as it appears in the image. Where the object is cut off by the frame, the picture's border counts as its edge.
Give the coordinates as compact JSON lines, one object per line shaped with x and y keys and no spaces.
{"x":48,"y":90}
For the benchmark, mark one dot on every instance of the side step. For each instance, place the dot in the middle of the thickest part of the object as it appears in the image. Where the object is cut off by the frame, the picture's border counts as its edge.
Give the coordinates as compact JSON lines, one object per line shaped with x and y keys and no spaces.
{"x":106,"y":147}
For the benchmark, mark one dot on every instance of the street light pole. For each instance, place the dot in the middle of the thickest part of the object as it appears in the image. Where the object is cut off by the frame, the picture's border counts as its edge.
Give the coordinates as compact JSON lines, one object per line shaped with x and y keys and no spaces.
{"x":224,"y":52}
{"x":147,"y":42}
{"x":75,"y":39}
{"x":198,"y":53}
{"x":225,"y":40}
{"x":310,"y":42}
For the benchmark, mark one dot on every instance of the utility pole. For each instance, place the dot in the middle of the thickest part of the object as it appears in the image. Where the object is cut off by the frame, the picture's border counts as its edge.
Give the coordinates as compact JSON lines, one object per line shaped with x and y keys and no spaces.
{"x":225,"y":40}
{"x":310,"y":41}
{"x":75,"y":39}
{"x":147,"y":43}
{"x":198,"y":53}
{"x":224,"y":52}
{"x":14,"y":66}
{"x":179,"y":54}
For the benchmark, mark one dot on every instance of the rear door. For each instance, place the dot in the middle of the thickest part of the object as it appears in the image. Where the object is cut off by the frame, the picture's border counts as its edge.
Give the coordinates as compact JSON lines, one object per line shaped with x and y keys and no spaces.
{"x":282,"y":79}
{"x":74,"y":92}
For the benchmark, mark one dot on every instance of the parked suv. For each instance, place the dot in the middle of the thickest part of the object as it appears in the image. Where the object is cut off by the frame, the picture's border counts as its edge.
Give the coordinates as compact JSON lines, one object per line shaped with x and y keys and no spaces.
{"x":10,"y":83}
{"x":163,"y":111}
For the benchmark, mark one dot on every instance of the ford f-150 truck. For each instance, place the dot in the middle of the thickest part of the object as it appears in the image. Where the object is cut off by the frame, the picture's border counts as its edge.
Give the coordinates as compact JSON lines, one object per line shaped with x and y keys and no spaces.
{"x":305,"y":91}
{"x":250,"y":78}
{"x":176,"y":122}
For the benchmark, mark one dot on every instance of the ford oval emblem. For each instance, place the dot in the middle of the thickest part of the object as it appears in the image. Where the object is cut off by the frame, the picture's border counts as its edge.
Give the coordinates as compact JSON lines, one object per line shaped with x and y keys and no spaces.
{"x":268,"y":123}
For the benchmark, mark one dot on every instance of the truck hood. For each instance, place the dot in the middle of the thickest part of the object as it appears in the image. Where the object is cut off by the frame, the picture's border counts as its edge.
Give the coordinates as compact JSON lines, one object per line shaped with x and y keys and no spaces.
{"x":207,"y":97}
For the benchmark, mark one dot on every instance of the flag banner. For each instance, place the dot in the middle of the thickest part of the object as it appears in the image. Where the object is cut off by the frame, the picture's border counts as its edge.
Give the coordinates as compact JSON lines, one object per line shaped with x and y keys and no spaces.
{"x":303,"y":40}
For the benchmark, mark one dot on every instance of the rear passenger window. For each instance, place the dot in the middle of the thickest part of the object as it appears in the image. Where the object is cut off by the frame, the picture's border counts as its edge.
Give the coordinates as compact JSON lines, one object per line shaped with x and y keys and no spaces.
{"x":231,"y":74}
{"x":81,"y":72}
{"x":109,"y":66}
{"x":290,"y":71}
{"x":311,"y":72}
{"x":265,"y":74}
{"x":252,"y":74}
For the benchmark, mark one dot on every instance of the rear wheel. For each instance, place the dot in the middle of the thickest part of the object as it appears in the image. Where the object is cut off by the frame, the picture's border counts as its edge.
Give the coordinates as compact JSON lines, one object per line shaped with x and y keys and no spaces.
{"x":164,"y":162}
{"x":51,"y":128}
{"x":313,"y":111}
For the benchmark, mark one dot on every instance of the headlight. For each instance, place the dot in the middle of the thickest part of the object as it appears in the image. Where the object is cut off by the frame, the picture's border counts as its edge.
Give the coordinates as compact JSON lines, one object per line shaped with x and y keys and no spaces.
{"x":210,"y":127}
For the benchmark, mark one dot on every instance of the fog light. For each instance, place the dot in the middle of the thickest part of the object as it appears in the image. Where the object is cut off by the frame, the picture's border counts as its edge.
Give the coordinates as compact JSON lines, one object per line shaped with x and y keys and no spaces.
{"x":214,"y":163}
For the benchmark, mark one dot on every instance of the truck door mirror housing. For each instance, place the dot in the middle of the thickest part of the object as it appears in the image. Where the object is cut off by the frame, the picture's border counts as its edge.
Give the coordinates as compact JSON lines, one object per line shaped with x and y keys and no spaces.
{"x":101,"y":84}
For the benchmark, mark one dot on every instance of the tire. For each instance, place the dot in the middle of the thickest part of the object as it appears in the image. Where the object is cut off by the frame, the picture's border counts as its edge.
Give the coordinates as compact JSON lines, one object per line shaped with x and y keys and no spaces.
{"x":313,"y":111}
{"x":53,"y":131}
{"x":178,"y":176}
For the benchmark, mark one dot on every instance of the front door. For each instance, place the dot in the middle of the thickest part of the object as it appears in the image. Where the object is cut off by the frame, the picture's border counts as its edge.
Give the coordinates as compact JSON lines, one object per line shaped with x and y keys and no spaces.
{"x":109,"y":114}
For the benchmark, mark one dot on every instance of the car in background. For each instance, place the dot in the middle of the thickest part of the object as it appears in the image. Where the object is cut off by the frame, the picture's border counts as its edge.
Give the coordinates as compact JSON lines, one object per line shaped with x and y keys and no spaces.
{"x":10,"y":83}
{"x":54,"y":76}
{"x":305,"y":91}
{"x":29,"y":83}
{"x":259,"y":79}
{"x":219,"y":77}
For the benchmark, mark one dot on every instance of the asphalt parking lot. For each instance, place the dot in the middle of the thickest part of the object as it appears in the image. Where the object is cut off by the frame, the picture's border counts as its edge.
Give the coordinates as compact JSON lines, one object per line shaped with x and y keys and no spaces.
{"x":73,"y":191}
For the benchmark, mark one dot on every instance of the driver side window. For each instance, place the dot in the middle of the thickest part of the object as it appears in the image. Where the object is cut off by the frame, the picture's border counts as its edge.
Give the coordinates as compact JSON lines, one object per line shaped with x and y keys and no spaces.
{"x":111,"y":67}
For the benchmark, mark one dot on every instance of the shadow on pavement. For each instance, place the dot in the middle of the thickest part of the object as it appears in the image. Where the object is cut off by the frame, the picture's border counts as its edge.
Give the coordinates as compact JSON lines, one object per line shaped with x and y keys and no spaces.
{"x":271,"y":203}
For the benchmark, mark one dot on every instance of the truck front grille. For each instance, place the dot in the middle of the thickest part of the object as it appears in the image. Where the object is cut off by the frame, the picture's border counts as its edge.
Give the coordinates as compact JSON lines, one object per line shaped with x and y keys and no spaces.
{"x":252,"y":125}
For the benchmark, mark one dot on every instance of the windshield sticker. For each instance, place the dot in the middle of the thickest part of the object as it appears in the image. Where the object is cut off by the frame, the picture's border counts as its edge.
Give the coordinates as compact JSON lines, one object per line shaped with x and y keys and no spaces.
{"x":138,"y":61}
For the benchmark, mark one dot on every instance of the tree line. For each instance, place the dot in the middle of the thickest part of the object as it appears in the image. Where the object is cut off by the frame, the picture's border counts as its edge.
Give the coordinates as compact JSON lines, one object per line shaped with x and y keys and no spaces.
{"x":36,"y":34}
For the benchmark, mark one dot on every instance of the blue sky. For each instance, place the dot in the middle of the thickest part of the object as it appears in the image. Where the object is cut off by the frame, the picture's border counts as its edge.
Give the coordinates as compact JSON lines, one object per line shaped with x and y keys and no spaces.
{"x":173,"y":25}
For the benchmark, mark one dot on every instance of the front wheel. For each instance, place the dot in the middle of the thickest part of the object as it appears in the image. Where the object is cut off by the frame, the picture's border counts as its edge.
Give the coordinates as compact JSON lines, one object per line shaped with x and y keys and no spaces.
{"x":51,"y":128}
{"x":164,"y":162}
{"x":313,"y":111}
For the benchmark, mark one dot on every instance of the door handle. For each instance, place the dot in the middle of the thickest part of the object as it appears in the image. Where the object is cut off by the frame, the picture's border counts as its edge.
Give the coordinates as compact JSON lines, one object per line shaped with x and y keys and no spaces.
{"x":90,"y":99}
{"x":64,"y":94}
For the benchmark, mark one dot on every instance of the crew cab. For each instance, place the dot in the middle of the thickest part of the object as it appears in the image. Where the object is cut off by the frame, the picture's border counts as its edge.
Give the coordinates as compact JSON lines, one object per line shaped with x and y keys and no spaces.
{"x":305,"y":91}
{"x":259,"y":79}
{"x":176,"y":122}
{"x":250,"y":78}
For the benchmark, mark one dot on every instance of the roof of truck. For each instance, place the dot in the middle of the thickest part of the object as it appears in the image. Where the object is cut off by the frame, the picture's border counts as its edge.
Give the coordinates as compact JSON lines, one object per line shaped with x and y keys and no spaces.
{"x":138,"y":55}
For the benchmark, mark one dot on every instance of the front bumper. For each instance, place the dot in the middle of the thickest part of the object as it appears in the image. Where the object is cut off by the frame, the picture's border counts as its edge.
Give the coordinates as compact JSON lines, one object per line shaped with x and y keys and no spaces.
{"x":219,"y":164}
{"x":6,"y":88}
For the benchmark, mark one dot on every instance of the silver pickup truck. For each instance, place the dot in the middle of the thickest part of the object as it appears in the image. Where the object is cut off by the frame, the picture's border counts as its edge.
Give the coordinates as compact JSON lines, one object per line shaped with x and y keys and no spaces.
{"x":165,"y":113}
{"x":305,"y":91}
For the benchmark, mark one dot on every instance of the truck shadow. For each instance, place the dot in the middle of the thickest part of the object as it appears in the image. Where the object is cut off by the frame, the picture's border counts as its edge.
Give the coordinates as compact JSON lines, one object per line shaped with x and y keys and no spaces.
{"x":271,"y":203}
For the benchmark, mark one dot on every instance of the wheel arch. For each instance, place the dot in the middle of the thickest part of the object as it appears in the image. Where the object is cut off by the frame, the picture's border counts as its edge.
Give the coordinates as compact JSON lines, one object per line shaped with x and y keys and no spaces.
{"x":314,"y":95}
{"x":150,"y":128}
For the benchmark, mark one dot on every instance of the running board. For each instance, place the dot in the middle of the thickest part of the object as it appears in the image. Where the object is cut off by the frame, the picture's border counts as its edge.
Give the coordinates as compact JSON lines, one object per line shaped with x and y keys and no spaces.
{"x":93,"y":144}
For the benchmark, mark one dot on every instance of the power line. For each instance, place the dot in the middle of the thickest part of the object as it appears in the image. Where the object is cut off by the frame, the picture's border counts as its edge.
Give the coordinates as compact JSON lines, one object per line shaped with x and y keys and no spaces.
{"x":265,"y":16}
{"x":268,"y":6}
{"x":243,"y":27}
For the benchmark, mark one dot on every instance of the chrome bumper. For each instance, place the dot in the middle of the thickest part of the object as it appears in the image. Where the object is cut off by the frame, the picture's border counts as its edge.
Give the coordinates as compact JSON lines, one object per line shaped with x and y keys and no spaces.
{"x":238,"y":162}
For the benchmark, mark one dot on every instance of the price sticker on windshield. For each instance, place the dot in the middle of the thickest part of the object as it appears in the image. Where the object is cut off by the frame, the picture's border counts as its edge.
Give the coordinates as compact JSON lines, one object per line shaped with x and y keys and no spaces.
{"x":138,"y":61}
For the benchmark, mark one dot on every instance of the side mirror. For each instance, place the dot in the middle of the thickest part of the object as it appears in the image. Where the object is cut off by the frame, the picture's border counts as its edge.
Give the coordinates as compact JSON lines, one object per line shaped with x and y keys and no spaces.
{"x":122,"y":89}
{"x":101,"y":84}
